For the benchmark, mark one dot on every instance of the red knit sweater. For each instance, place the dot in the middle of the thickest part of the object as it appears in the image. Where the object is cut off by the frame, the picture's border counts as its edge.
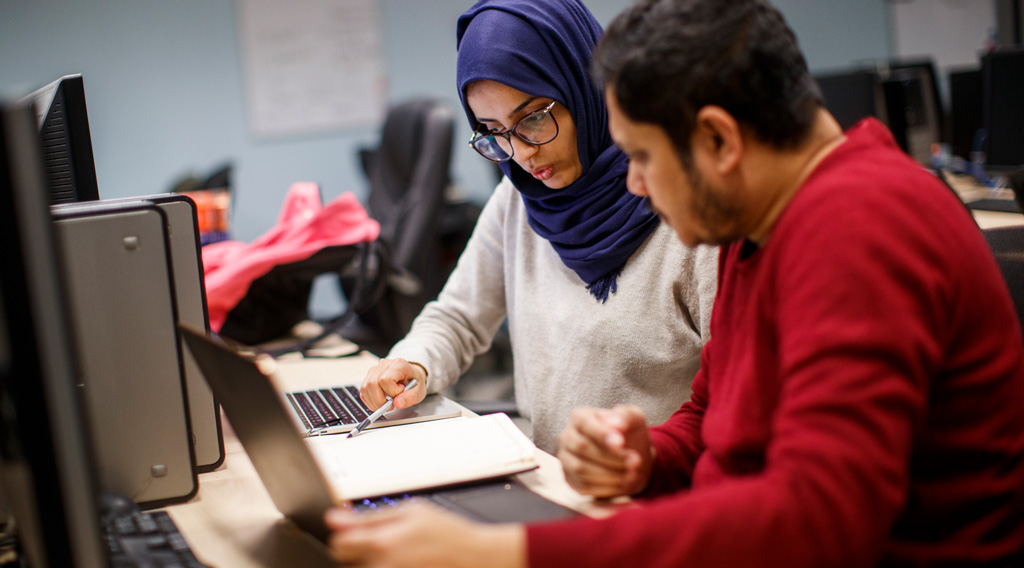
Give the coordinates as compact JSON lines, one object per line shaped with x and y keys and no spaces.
{"x":861,"y":401}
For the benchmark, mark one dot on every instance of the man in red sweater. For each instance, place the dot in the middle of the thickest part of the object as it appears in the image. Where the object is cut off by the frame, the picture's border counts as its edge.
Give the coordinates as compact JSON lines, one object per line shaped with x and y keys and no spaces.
{"x":861,"y":401}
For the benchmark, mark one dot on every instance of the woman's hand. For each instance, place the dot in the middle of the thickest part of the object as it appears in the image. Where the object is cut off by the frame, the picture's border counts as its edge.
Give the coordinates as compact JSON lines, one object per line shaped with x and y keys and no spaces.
{"x":606,"y":452}
{"x":388,"y":378}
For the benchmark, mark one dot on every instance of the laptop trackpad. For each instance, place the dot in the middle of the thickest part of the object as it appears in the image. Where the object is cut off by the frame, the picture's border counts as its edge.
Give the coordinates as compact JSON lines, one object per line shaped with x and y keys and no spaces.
{"x":503,"y":501}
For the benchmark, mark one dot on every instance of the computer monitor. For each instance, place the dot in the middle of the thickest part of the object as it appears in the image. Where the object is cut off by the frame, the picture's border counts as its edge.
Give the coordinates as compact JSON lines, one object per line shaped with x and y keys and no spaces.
{"x":46,"y":477}
{"x":1003,"y":78}
{"x":67,"y":144}
{"x":851,"y":95}
{"x":904,"y":95}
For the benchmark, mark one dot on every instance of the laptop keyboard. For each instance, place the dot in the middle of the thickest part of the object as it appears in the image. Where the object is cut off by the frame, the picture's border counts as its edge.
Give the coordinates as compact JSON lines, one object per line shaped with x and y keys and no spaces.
{"x":398,"y":502}
{"x":501,"y":500}
{"x":381,"y":503}
{"x":329,"y":407}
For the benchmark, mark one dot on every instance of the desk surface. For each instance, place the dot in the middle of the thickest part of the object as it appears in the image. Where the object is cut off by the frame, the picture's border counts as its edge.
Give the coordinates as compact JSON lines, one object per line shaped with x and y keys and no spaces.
{"x":232,"y":521}
{"x":969,"y":190}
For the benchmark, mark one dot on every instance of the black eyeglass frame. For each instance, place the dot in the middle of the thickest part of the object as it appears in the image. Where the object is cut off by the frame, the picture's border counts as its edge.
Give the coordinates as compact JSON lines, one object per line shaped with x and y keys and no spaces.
{"x":507,"y":135}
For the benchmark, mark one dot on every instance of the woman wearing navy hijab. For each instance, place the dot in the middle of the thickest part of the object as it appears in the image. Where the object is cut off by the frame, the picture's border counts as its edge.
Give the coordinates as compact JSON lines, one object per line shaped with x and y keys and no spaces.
{"x":604,"y":305}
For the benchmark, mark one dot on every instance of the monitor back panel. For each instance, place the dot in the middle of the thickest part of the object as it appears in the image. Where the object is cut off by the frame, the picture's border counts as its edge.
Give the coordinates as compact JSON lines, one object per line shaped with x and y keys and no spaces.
{"x":1004,"y":114}
{"x":121,"y":296}
{"x":965,"y":110}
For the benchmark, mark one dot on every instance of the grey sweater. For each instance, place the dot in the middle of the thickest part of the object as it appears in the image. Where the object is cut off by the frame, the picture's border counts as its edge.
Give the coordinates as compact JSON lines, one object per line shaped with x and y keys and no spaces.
{"x":642,"y":346}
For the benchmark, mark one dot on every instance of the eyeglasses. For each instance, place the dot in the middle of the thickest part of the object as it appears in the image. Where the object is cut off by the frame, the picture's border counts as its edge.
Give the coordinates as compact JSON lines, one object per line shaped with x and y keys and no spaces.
{"x":538,"y":127}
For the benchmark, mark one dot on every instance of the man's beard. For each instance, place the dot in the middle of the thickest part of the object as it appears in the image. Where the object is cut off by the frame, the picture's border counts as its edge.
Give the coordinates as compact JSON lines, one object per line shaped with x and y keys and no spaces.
{"x":719,"y":212}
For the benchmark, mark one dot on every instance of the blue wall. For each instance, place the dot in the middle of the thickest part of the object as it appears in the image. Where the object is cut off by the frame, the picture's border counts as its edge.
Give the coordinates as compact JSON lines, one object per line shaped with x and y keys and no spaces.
{"x":165,"y":90}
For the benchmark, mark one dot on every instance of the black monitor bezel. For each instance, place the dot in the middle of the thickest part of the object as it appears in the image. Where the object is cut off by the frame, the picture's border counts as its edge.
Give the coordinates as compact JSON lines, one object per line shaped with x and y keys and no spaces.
{"x":46,"y":468}
{"x":63,"y":122}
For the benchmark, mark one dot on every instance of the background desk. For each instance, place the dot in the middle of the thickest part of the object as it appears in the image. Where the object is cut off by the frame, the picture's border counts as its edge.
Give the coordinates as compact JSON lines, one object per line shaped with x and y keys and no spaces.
{"x":232,"y":522}
{"x":993,"y":219}
{"x":969,"y":189}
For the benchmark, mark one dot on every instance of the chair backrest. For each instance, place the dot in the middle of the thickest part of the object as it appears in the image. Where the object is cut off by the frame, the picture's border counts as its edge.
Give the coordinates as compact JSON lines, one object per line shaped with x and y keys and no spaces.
{"x":1007,"y":244}
{"x":408,"y":174}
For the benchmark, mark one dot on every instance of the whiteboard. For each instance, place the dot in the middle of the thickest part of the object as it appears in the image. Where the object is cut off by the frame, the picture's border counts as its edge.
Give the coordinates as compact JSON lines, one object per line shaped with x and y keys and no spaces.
{"x":311,"y":65}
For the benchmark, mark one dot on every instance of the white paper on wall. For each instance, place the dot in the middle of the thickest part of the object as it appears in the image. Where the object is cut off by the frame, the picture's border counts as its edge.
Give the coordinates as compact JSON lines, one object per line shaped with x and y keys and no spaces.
{"x":311,"y":65}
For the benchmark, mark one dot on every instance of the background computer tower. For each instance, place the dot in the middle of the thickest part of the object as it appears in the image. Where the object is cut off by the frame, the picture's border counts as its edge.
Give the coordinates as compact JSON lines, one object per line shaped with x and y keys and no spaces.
{"x":116,"y":259}
{"x":1003,"y":83}
{"x":965,"y":111}
{"x":190,"y":295}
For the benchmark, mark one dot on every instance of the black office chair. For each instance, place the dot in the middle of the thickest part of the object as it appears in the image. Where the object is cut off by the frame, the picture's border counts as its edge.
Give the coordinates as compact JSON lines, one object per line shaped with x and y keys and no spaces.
{"x":408,"y":173}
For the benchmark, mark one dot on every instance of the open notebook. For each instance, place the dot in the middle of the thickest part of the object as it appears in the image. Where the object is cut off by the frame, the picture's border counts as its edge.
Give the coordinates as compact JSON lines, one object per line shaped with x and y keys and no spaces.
{"x":305,"y":476}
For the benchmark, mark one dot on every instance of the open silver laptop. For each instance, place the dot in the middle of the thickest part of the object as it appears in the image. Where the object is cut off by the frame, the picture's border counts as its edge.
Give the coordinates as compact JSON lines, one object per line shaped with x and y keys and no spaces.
{"x":335,"y":409}
{"x":339,"y":409}
{"x":292,"y":474}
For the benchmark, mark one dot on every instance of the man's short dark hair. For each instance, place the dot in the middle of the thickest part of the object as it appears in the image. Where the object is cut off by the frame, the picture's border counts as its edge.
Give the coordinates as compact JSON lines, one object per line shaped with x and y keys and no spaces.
{"x":665,"y":59}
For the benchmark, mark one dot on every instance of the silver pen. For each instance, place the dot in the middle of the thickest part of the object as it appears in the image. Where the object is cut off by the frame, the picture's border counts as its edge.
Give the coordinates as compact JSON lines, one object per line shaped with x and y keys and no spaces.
{"x":379,"y":412}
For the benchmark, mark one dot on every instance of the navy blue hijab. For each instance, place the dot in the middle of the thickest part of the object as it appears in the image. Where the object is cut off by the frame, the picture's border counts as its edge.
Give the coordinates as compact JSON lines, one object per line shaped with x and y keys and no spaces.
{"x":543,"y":48}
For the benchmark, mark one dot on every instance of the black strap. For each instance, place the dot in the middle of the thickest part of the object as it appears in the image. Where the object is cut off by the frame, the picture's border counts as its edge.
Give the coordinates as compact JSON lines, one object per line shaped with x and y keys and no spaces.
{"x":372,"y":273}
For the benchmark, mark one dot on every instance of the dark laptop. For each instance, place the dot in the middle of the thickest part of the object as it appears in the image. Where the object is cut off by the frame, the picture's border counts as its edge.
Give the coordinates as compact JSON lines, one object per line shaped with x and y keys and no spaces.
{"x":293,"y":477}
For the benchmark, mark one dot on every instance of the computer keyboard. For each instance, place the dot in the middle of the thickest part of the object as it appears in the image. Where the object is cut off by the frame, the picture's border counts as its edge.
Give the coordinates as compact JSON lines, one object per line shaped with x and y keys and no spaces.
{"x":995,"y":204}
{"x":144,"y":539}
